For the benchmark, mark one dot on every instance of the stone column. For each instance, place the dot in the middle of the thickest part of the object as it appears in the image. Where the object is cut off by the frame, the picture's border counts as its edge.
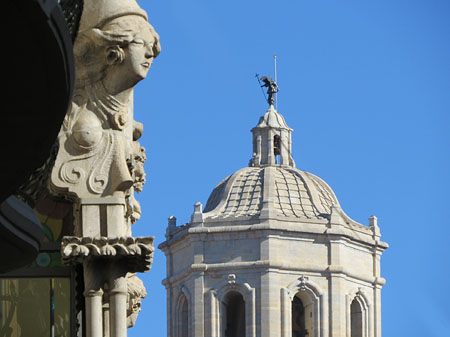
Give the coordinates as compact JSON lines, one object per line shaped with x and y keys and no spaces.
{"x":336,"y":289}
{"x":337,"y":304}
{"x":198,"y":311}
{"x":379,"y":281}
{"x":94,"y":313}
{"x":270,"y":147}
{"x":270,"y":324}
{"x":106,"y":263}
{"x":106,"y":317}
{"x":286,"y":313}
{"x":284,"y":148}
{"x":118,"y":306}
{"x":93,"y":294}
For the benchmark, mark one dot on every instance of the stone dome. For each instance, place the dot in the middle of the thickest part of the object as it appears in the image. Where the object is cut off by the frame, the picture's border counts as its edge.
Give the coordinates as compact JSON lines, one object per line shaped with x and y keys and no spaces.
{"x":271,"y":183}
{"x":291,"y":192}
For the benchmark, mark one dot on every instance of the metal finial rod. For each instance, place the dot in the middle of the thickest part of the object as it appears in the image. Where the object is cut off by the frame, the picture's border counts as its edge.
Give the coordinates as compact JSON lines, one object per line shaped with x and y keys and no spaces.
{"x":275,"y":65}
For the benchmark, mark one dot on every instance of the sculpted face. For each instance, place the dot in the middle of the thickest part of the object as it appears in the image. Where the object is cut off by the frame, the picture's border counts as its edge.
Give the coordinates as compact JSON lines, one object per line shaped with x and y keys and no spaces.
{"x":139,"y":54}
{"x":134,"y":307}
{"x":132,"y":55}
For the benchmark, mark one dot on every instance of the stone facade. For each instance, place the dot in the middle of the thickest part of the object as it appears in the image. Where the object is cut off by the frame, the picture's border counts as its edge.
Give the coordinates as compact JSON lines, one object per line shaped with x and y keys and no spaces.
{"x":274,"y":244}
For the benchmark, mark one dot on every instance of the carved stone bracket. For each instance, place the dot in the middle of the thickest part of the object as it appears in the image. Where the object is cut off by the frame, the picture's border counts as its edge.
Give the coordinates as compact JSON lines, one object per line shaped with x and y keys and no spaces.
{"x":231,"y":280}
{"x":137,"y":252}
{"x":303,"y":282}
{"x":100,"y":163}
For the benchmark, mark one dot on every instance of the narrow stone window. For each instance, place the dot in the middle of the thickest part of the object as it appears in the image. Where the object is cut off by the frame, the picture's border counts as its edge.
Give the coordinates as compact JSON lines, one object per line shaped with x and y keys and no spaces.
{"x":356,"y":319}
{"x":277,"y":148}
{"x":298,"y":318}
{"x":234,"y":315}
{"x":183,"y":319}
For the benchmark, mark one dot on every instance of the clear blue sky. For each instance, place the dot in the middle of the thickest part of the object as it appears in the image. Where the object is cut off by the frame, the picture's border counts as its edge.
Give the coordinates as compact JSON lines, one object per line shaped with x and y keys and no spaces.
{"x":366,"y":87}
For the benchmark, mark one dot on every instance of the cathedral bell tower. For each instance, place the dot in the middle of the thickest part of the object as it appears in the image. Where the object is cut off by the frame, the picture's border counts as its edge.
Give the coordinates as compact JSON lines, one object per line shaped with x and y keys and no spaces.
{"x":273,"y":254}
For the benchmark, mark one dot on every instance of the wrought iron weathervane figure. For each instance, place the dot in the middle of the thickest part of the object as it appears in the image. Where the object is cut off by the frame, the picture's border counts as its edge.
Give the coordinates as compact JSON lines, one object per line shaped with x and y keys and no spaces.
{"x":272,"y":87}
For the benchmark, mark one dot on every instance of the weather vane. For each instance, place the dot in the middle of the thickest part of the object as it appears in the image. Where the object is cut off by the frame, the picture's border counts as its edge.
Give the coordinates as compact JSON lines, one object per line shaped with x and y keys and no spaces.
{"x":272,"y":87}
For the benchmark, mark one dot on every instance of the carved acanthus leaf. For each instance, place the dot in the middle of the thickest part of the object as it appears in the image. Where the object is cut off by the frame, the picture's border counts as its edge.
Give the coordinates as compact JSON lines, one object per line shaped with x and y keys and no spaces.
{"x":138,"y":251}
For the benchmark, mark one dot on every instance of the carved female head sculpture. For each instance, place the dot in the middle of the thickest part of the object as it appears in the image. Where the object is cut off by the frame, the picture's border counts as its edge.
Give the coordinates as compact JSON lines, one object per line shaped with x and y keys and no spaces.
{"x":114,"y":50}
{"x":109,"y":62}
{"x":119,"y":54}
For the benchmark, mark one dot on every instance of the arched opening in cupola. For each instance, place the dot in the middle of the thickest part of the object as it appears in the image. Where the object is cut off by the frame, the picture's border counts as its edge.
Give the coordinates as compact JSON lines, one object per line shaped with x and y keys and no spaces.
{"x":298,"y":318}
{"x":277,"y":148}
{"x":356,"y":319}
{"x":302,"y":315}
{"x":234,"y":320}
{"x":182,"y":317}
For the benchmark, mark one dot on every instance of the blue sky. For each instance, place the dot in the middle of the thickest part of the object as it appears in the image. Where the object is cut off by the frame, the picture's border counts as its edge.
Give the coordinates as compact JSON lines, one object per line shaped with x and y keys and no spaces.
{"x":365,"y":86}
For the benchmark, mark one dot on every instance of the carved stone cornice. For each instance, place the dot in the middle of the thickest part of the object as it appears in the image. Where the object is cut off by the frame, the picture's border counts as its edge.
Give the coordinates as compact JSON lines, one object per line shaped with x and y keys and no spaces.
{"x":136,"y":252}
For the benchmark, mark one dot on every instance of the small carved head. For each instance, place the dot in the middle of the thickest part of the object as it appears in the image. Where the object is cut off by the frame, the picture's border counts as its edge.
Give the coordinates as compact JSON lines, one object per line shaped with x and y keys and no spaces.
{"x":123,"y":50}
{"x":136,"y":292}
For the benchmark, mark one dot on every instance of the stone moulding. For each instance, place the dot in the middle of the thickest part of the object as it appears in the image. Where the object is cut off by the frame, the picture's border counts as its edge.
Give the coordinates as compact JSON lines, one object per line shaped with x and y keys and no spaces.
{"x":267,"y":264}
{"x":365,"y":234}
{"x":136,"y":251}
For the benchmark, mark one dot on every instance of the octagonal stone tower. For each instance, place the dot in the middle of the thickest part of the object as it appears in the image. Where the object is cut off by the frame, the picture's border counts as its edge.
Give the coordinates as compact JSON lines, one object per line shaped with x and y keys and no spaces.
{"x":273,"y":254}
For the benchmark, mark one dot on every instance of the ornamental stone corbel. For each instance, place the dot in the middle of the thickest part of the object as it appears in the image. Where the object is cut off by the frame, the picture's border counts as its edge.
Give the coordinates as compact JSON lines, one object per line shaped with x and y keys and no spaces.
{"x":100,"y":163}
{"x":136,"y":253}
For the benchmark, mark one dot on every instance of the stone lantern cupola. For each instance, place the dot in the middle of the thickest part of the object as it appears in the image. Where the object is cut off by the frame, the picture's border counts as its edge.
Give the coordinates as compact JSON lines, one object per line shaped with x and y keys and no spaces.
{"x":272,"y":254}
{"x":272,"y":142}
